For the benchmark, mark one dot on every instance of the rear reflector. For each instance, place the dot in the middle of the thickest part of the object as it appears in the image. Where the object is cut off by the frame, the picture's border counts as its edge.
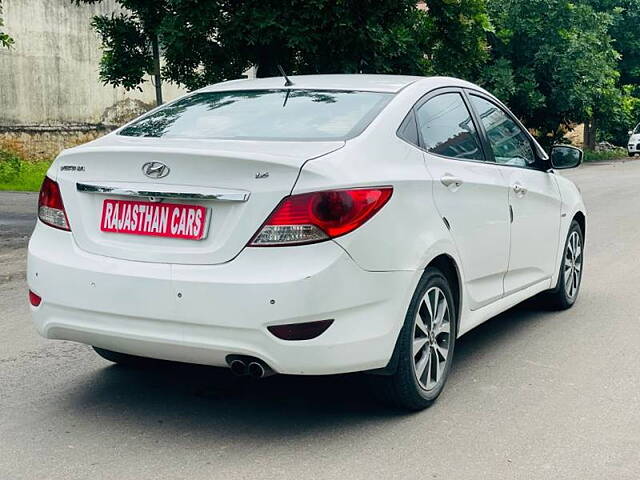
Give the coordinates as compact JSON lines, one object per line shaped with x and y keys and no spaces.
{"x":317,"y":216}
{"x":300,"y":331}
{"x":50,"y":206}
{"x":34,"y":299}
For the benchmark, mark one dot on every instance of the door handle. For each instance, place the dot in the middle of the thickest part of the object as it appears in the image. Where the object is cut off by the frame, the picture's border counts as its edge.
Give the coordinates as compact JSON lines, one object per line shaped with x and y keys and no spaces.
{"x":448,"y":180}
{"x":519,"y":189}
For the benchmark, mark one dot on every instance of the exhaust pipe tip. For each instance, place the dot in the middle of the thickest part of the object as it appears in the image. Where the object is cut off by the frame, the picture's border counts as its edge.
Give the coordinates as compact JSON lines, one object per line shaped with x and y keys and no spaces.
{"x":256,"y":370}
{"x":241,"y":365}
{"x":238,"y":367}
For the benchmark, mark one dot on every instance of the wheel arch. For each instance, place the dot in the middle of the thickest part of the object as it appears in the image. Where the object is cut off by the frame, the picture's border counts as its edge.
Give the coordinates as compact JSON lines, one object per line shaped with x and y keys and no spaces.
{"x":449,"y":268}
{"x":581,"y":218}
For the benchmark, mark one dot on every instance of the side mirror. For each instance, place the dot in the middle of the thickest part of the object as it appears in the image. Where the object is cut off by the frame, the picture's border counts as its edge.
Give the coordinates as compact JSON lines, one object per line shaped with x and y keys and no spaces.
{"x":566,"y":156}
{"x":630,"y":132}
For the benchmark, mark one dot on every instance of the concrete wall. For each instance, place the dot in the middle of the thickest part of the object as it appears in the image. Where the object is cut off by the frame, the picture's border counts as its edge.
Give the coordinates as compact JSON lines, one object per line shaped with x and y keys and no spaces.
{"x":49,"y":79}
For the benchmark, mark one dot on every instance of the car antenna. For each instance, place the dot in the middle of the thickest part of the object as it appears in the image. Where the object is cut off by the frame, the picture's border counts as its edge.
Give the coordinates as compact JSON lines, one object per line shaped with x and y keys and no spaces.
{"x":287,"y":82}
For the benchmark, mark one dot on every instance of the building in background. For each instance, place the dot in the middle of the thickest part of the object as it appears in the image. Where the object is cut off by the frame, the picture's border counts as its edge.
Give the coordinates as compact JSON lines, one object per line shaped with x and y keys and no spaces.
{"x":50,"y":93}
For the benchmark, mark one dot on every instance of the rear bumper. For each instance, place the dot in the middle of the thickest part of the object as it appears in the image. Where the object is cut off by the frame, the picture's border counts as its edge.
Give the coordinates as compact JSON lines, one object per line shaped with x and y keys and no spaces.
{"x":202,"y":313}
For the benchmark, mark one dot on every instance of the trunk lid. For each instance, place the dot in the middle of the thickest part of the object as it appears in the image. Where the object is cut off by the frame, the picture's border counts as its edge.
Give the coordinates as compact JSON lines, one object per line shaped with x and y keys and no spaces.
{"x":238,"y":182}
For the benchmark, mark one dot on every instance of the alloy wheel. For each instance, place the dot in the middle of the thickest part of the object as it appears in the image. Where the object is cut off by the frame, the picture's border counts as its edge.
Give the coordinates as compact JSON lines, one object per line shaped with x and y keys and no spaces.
{"x":573,"y":265}
{"x":431,"y":339}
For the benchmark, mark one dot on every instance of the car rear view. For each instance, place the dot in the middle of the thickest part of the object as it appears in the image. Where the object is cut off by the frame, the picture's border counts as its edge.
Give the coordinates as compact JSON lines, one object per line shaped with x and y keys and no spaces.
{"x":178,"y":237}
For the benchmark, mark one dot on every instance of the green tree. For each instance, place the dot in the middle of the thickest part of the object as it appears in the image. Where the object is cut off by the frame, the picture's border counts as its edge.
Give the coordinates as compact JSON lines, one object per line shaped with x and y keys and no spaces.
{"x":457,"y":44}
{"x":553,"y":62}
{"x":625,"y":31}
{"x":5,"y":39}
{"x":206,"y":41}
{"x":323,"y":36}
{"x":130,"y":42}
{"x":621,"y":109}
{"x":621,"y":114}
{"x":304,"y":36}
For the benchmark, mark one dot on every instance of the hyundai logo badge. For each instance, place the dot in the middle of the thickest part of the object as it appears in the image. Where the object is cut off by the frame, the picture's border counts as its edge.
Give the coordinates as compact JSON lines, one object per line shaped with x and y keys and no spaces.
{"x":155,"y":170}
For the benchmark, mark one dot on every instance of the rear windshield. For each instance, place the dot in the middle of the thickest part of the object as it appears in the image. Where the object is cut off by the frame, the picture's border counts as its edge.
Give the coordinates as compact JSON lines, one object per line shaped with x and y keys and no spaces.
{"x":286,"y":114}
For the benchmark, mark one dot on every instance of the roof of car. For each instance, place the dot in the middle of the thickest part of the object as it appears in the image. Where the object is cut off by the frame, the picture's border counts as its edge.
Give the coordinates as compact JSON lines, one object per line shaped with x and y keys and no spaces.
{"x":366,"y":82}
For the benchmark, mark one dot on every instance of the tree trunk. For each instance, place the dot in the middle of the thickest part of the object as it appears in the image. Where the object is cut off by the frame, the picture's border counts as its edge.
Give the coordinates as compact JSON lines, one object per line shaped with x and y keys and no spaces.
{"x":590,"y":134}
{"x":156,"y":69}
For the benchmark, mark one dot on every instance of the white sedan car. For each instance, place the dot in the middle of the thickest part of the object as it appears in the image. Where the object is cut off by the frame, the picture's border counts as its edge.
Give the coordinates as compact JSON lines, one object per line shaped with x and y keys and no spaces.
{"x":634,"y":141}
{"x":319,"y":225}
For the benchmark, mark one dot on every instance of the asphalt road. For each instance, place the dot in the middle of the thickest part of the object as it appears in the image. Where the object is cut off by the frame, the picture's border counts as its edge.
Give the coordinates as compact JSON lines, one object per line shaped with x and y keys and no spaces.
{"x":533,"y":394}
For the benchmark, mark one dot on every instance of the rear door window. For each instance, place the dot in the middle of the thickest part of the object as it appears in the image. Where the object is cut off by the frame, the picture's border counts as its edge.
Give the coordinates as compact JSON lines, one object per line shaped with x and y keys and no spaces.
{"x":446,"y":128}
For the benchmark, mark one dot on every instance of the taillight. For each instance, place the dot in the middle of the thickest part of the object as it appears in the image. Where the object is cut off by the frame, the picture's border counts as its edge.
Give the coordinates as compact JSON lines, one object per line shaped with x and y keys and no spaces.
{"x":34,"y":299}
{"x":50,"y":206}
{"x":317,"y":216}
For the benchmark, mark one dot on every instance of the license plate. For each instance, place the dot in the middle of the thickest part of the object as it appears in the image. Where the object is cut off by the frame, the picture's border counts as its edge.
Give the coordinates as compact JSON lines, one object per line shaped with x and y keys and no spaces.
{"x":170,"y":220}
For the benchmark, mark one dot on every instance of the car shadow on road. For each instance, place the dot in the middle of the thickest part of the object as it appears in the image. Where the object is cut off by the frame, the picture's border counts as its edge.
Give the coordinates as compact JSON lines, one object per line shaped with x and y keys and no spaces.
{"x":175,"y":396}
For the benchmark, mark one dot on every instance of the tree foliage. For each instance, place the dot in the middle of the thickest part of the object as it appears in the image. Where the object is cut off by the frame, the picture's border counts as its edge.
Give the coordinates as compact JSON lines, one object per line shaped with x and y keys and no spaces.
{"x":625,"y":30}
{"x":558,"y":63}
{"x":304,"y":36}
{"x":206,"y":41}
{"x":312,"y":36}
{"x":622,"y":115}
{"x":457,"y":41}
{"x":621,"y":109}
{"x":5,"y":39}
{"x":129,"y":42}
{"x":126,"y":56}
{"x":322,"y":36}
{"x":553,"y":62}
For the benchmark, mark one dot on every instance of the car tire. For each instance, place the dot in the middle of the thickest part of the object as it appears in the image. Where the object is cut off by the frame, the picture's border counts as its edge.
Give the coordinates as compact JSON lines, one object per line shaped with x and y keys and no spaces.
{"x":417,"y":379}
{"x":124,"y":358}
{"x":565,"y":293}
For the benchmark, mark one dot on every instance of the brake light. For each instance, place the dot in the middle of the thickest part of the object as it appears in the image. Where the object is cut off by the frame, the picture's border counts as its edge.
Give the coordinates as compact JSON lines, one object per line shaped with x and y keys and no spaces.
{"x":318,"y":216}
{"x":50,"y":206}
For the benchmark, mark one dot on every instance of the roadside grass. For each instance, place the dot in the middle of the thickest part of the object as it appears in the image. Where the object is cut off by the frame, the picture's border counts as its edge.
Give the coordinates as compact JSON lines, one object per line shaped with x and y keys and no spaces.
{"x":593,"y":156}
{"x":16,"y":173}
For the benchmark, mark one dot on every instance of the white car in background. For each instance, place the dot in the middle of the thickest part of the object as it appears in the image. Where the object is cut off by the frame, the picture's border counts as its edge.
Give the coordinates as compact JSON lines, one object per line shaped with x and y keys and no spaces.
{"x":329,"y":224}
{"x":633,"y":146}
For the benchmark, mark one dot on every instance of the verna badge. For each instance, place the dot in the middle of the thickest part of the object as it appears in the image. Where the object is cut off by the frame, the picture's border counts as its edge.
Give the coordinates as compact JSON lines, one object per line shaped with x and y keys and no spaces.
{"x":155,"y":170}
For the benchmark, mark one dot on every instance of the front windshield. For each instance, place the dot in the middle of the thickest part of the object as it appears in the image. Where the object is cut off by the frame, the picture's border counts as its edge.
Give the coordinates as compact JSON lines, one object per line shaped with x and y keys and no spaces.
{"x":637,"y":129}
{"x":282,"y":114}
